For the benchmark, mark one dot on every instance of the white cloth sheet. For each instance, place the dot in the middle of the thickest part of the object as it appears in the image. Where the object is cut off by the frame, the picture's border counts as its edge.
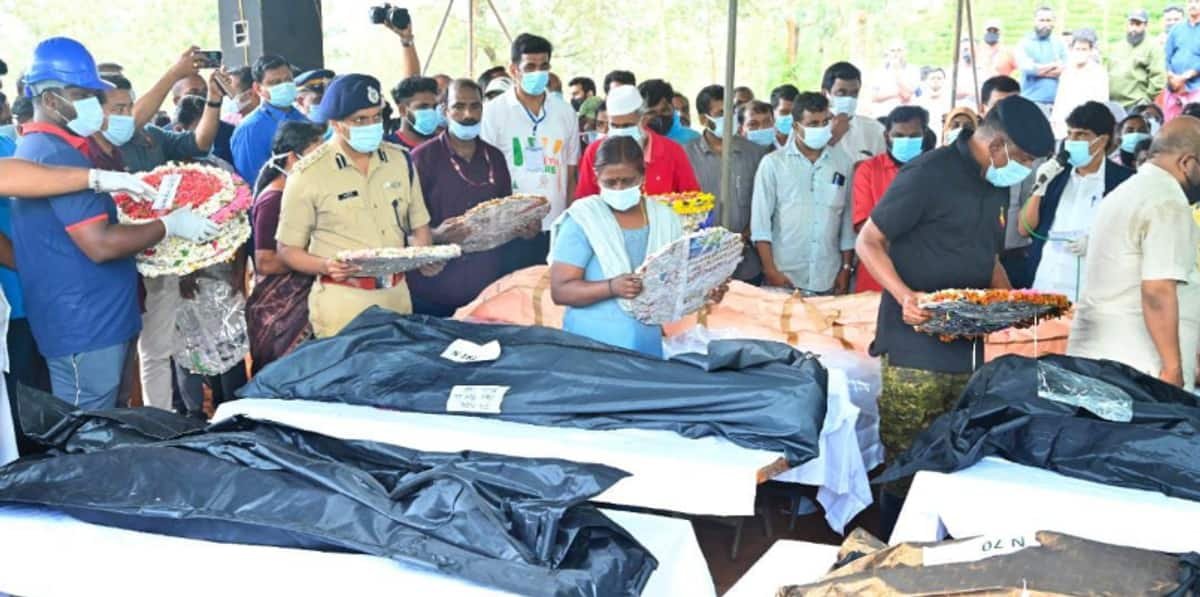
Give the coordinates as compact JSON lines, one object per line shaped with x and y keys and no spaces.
{"x":705,"y":476}
{"x":785,"y":563}
{"x":8,"y":434}
{"x":96,"y":560}
{"x":997,"y":496}
{"x":849,"y":442}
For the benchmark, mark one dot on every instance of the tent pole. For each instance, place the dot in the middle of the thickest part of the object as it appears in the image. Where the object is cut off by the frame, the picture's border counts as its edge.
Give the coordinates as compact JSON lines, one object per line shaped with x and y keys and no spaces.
{"x":957,"y":53}
{"x":500,"y":21}
{"x":726,"y":195}
{"x":437,"y":38}
{"x":974,"y":56}
{"x":471,"y":37}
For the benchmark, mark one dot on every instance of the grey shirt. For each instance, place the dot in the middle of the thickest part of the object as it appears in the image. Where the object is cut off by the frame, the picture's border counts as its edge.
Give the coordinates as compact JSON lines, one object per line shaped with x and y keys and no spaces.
{"x":157,"y":146}
{"x":733,"y":214}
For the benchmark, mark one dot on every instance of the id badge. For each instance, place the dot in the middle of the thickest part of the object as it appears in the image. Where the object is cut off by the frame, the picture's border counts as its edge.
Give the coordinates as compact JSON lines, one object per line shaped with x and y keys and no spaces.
{"x":535,"y":156}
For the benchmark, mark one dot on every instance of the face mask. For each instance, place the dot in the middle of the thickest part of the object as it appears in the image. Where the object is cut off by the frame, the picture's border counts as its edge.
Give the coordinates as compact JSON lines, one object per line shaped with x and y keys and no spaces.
{"x":245,"y":100}
{"x":283,"y":94}
{"x":623,"y":199}
{"x":279,"y":158}
{"x":328,"y":134}
{"x":9,"y":131}
{"x":1008,"y":175}
{"x":906,"y":148}
{"x":464,"y":131}
{"x":591,"y":137}
{"x":817,"y":137}
{"x":1135,"y":39}
{"x":717,"y":124}
{"x":844,"y":105}
{"x":1130,"y":141}
{"x":1079,"y":153}
{"x":366,"y":138}
{"x":1043,"y":33}
{"x":228,"y":106}
{"x":89,"y":116}
{"x":424,"y":121}
{"x":1153,"y":124}
{"x":991,"y":38}
{"x":783,"y":124}
{"x":661,"y":124}
{"x":763,"y":137}
{"x":120,"y":129}
{"x":535,"y":83}
{"x":626,"y":131}
{"x":576,"y":104}
{"x":952,"y":135}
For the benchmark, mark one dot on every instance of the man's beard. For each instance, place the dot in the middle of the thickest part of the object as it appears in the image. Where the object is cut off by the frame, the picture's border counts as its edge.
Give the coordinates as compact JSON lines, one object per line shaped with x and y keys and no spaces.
{"x":1043,"y":32}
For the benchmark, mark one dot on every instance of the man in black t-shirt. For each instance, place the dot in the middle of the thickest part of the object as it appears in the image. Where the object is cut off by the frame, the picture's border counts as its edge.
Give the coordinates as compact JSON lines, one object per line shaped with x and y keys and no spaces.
{"x":941,"y":225}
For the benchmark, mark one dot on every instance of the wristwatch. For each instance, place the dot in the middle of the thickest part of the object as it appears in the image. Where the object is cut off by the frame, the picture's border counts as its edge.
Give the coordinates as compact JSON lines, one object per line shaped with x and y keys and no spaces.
{"x":212,"y":104}
{"x":848,"y":267}
{"x":406,"y":42}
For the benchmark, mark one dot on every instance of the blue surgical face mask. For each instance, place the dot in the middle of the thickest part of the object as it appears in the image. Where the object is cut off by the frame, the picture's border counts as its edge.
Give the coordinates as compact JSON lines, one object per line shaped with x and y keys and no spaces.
{"x":1129,"y":141}
{"x":623,"y":199}
{"x":817,"y":137}
{"x":9,"y":131}
{"x":282,"y":94}
{"x":1009,"y":174}
{"x":535,"y":83}
{"x":466,"y":132}
{"x":634,"y":131}
{"x":120,"y":129}
{"x":904,"y":149}
{"x":783,"y":124}
{"x":328,"y":133}
{"x":763,"y":137}
{"x":590,"y":137}
{"x":952,"y":135}
{"x":89,"y":116}
{"x":676,"y":125}
{"x":718,"y":124}
{"x":1079,"y":153}
{"x":844,"y":104}
{"x":366,"y":138}
{"x":425,"y":121}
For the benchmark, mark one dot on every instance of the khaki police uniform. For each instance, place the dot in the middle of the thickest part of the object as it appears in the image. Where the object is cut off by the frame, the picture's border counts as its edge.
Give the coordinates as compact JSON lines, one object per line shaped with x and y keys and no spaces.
{"x":330,"y":206}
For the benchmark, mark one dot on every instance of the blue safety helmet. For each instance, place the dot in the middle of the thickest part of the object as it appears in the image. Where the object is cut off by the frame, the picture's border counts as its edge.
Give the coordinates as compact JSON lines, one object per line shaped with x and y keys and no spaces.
{"x":66,"y":60}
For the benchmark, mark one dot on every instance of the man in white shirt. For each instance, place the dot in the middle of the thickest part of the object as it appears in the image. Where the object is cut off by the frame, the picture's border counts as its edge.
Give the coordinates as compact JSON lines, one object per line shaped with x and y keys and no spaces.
{"x":800,"y":216}
{"x":539,"y":135}
{"x":859,"y":137}
{"x":896,"y":83}
{"x":1141,"y":305}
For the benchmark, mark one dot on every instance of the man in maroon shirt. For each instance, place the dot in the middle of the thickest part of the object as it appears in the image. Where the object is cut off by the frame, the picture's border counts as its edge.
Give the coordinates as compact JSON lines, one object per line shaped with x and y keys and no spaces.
{"x":458,"y":171}
{"x":667,"y":167}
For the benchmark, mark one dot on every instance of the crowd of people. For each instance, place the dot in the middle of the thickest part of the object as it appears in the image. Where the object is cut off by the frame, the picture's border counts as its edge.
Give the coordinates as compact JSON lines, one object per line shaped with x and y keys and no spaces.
{"x":905,"y":182}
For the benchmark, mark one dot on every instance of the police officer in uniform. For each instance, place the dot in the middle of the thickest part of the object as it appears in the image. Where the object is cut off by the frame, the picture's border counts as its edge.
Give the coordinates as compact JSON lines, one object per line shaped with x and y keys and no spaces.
{"x":353,"y":192}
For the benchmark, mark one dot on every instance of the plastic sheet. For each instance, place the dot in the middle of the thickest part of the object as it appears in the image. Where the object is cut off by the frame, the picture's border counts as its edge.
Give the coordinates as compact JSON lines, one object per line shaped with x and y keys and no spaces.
{"x":760,"y":395}
{"x":1001,"y":413}
{"x":1099,"y":397}
{"x":211,"y":327}
{"x":1042,"y":563}
{"x":517,"y":524}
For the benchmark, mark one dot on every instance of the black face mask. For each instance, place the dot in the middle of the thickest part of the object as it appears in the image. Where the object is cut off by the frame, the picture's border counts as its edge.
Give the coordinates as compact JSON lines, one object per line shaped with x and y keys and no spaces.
{"x":1135,"y":39}
{"x":1043,"y":33}
{"x":576,"y":103}
{"x":661,"y":124}
{"x":991,"y":38}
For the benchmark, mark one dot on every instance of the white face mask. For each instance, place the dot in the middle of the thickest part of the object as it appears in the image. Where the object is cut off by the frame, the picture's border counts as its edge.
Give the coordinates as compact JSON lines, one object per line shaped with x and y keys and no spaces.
{"x":622,"y":199}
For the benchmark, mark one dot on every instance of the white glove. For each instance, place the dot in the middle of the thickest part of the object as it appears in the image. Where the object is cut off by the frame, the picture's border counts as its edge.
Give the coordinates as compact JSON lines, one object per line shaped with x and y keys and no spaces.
{"x":185,"y":224}
{"x":1077,"y":247}
{"x":105,"y":181}
{"x":1045,"y":174}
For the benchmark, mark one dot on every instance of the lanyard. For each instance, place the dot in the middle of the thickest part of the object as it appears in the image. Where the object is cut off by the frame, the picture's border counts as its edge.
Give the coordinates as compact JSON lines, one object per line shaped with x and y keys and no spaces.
{"x":491,"y":176}
{"x":534,"y":119}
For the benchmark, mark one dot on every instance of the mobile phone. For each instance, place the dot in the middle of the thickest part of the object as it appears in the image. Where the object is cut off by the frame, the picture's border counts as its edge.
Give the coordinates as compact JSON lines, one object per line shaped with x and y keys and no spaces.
{"x":209,"y":58}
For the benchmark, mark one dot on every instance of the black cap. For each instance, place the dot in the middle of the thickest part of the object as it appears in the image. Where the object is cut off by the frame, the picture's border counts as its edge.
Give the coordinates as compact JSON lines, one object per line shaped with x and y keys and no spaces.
{"x":314,"y":80}
{"x":346,"y":95}
{"x":1026,"y":125}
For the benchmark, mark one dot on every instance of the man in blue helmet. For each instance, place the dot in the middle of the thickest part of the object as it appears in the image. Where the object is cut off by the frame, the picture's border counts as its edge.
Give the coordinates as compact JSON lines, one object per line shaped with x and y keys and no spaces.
{"x":74,"y":260}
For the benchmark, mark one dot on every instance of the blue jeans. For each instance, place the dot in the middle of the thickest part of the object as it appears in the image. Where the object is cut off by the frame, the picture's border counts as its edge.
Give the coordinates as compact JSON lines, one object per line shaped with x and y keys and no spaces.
{"x":90,"y":380}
